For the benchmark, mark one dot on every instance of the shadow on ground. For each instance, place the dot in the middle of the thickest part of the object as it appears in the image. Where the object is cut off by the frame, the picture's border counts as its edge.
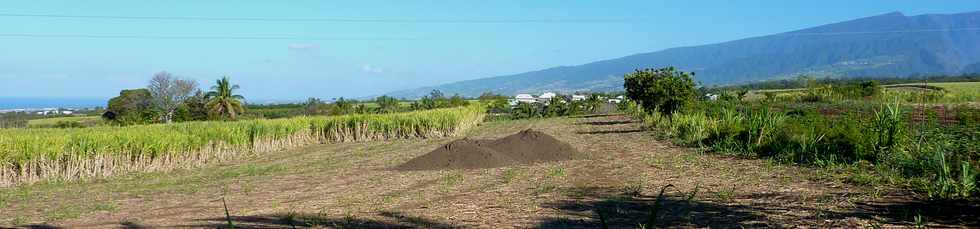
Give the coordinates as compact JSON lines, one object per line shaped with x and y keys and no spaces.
{"x":676,"y":210}
{"x":610,"y":131}
{"x":593,"y":115}
{"x":606,"y":123}
{"x":389,"y":220}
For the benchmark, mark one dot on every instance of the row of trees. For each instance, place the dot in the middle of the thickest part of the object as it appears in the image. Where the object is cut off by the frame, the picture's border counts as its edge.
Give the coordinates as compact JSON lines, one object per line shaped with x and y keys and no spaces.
{"x":380,"y":105}
{"x":168,"y":98}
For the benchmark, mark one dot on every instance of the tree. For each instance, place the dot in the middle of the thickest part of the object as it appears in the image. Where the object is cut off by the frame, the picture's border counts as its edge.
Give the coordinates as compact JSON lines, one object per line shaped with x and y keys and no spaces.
{"x":457,"y":101}
{"x":593,"y":103}
{"x":194,"y":108}
{"x":386,"y":104}
{"x":870,"y":88}
{"x":557,"y":106}
{"x":526,"y":110}
{"x":130,"y":107}
{"x":436,"y":94}
{"x":666,"y":90}
{"x":342,"y":106}
{"x":313,"y":106}
{"x":169,"y":92}
{"x":222,"y":99}
{"x":741,"y":93}
{"x":495,"y":103}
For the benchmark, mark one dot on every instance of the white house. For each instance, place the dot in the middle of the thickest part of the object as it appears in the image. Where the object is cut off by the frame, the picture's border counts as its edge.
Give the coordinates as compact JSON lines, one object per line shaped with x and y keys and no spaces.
{"x":525,"y":98}
{"x":547,"y":95}
{"x":578,"y":97}
{"x":617,"y":99}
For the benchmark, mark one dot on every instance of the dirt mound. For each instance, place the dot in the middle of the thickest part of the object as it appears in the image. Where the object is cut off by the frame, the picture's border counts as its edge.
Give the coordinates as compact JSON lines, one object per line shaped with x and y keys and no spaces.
{"x":525,"y":147}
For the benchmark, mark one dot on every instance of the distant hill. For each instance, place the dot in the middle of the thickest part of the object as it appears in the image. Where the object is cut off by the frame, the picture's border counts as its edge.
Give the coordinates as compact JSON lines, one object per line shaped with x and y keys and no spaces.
{"x":885,"y":45}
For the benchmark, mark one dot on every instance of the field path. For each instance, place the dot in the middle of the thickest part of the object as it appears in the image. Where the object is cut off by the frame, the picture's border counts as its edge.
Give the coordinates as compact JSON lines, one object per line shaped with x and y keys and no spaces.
{"x":350,"y":185}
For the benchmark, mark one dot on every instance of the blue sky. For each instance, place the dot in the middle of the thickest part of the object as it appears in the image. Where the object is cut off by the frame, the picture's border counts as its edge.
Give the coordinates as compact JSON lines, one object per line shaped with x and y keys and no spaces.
{"x":412,"y":45}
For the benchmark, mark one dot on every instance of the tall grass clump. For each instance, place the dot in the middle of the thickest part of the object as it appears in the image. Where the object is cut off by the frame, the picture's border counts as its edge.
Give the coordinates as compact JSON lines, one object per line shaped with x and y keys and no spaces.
{"x":934,"y":157}
{"x":30,"y":155}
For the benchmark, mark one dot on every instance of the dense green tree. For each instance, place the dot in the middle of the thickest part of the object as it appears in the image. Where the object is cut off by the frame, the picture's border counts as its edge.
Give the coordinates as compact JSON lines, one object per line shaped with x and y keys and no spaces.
{"x":223,"y":101}
{"x":870,"y":88}
{"x":313,"y":106}
{"x":342,"y":106}
{"x":664,"y":89}
{"x":593,"y":103}
{"x":194,"y":108}
{"x":131,"y":107}
{"x":387,"y":104}
{"x":557,"y":106}
{"x":526,"y":110}
{"x":495,"y":103}
{"x":457,"y":101}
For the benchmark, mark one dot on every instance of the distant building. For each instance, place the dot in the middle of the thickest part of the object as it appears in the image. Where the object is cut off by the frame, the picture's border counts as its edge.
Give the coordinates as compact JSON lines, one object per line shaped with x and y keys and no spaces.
{"x":617,"y":99}
{"x":578,"y":97}
{"x":525,"y":98}
{"x":711,"y":97}
{"x":547,"y":95}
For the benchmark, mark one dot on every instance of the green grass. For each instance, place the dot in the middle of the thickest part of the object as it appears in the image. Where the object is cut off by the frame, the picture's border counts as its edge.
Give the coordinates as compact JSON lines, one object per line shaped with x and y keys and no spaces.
{"x":961,"y":88}
{"x":50,"y":122}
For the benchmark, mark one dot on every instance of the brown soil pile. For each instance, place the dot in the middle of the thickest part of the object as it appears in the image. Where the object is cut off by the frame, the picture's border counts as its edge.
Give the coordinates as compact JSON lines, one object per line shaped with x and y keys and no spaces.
{"x":525,"y":147}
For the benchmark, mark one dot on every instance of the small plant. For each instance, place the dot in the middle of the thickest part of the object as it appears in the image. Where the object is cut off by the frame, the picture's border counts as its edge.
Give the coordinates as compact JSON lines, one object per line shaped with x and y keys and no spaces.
{"x":452,"y":179}
{"x":654,"y":210}
{"x":920,"y":222}
{"x":227,"y":214}
{"x":633,"y":189}
{"x":557,"y":171}
{"x":509,"y":175}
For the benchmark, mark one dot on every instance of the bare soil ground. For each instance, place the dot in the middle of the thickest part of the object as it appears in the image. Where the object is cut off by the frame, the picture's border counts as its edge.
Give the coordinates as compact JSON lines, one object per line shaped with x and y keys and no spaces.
{"x":353,"y":185}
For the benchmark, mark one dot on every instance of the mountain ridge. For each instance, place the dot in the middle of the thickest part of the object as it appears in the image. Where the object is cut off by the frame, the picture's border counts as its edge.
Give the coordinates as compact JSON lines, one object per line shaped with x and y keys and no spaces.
{"x":889,"y":44}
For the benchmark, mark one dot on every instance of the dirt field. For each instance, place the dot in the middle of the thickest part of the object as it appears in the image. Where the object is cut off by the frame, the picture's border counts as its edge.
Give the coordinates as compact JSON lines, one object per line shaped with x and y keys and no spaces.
{"x":352,"y":185}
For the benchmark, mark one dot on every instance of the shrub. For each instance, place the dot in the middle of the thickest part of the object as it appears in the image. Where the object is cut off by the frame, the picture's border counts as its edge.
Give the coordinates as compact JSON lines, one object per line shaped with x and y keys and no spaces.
{"x":665,"y":89}
{"x":526,"y":111}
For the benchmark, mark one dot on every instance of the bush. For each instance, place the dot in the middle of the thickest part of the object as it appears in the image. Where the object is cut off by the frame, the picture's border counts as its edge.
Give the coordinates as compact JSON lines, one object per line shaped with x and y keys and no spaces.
{"x":665,"y":89}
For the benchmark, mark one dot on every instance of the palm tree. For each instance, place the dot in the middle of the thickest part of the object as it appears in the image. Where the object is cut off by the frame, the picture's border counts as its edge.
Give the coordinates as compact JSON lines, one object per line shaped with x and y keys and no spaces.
{"x":222,"y":100}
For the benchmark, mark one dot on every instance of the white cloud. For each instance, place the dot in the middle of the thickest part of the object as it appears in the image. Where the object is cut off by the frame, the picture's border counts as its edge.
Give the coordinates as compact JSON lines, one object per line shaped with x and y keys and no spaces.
{"x":303,"y":46}
{"x":372,"y":69}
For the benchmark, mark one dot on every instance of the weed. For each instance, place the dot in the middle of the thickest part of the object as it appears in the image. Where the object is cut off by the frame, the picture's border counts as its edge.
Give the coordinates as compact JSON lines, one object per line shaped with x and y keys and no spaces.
{"x":545,"y":188}
{"x":227,"y":213}
{"x":654,"y":210}
{"x":633,"y":189}
{"x":109,"y":207}
{"x":509,"y":175}
{"x":452,"y":179}
{"x":557,"y":171}
{"x":920,"y":222}
{"x":18,"y":221}
{"x":726,"y":194}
